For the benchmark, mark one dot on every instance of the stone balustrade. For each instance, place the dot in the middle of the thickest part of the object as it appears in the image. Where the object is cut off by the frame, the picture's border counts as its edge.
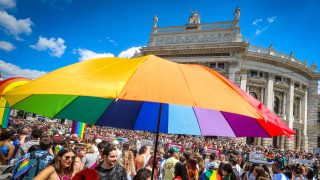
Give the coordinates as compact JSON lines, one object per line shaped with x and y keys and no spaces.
{"x":195,"y":27}
{"x":272,"y":52}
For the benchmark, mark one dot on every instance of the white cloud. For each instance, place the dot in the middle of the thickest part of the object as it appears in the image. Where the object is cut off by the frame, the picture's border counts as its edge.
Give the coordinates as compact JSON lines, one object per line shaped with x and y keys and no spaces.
{"x":256,"y":22}
{"x":55,"y":46}
{"x":14,"y":26}
{"x":259,"y":31}
{"x":7,"y":4}
{"x":129,"y":53}
{"x":10,"y":70}
{"x":6,"y":46}
{"x":272,"y":19}
{"x":86,"y":54}
{"x":112,"y":41}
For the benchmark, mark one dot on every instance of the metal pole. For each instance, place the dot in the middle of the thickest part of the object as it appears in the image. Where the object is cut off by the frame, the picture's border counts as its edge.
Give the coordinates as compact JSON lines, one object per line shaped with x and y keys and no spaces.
{"x":156,"y":145}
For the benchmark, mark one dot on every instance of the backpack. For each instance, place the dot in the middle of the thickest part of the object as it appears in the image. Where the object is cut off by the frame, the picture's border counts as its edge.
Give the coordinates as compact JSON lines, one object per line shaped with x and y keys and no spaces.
{"x":28,"y":168}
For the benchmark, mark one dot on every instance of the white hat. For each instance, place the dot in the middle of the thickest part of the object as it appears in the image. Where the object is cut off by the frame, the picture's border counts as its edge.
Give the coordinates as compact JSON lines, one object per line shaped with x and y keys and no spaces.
{"x":115,"y":142}
{"x":97,"y":141}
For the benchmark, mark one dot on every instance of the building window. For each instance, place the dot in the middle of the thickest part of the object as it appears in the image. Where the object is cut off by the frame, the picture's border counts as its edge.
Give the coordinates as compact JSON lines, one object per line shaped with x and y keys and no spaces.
{"x":296,"y":108}
{"x":254,"y":95}
{"x":221,"y":65}
{"x":260,"y":74}
{"x":318,"y":141}
{"x":278,"y":79}
{"x":276,"y":106}
{"x":318,"y":118}
{"x":254,"y":74}
{"x":212,"y":65}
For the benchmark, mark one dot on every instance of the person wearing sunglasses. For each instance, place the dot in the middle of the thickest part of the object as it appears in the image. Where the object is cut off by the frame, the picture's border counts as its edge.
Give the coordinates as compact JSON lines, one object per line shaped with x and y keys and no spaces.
{"x":62,"y":167}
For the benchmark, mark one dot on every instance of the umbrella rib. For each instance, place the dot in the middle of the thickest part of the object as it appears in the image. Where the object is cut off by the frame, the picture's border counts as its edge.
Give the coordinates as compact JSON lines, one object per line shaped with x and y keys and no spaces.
{"x":197,"y":120}
{"x":65,"y":107}
{"x":184,"y":77}
{"x":135,"y":119}
{"x":228,"y":123}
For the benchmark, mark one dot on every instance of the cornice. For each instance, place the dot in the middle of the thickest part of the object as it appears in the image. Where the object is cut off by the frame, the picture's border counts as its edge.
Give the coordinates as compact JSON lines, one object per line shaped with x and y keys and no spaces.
{"x":283,"y":63}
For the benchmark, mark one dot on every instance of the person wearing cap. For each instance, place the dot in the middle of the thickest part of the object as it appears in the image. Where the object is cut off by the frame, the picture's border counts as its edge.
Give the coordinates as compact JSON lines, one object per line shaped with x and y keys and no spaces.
{"x":169,"y":165}
{"x":212,"y":160}
{"x":211,"y":172}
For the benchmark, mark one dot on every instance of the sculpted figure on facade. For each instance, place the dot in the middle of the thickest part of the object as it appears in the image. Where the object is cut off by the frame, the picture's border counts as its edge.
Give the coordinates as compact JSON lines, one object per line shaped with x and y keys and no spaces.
{"x":155,"y":21}
{"x":237,"y":13}
{"x":194,"y":18}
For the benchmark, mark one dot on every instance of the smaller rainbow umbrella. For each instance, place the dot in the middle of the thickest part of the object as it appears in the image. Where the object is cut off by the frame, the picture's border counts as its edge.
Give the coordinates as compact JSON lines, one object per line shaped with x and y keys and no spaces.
{"x":5,"y":86}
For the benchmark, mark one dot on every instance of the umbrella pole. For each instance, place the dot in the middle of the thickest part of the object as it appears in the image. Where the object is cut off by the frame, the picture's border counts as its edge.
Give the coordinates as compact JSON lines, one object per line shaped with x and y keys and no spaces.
{"x":156,"y":145}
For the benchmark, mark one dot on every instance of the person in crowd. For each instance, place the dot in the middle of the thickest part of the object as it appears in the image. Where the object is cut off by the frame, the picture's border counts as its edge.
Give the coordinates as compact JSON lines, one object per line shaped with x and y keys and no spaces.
{"x":128,"y":161}
{"x":142,"y":159}
{"x":143,"y":174}
{"x":249,"y":175}
{"x":90,"y":158}
{"x":201,"y":165}
{"x":228,"y":173}
{"x":235,"y":166}
{"x":212,"y":160}
{"x":260,"y":173}
{"x":277,"y":172}
{"x":211,"y":172}
{"x":193,"y":169}
{"x":180,"y":171}
{"x":34,"y":147}
{"x":109,"y":169}
{"x":156,"y":168}
{"x":35,"y":137}
{"x":38,"y":160}
{"x":168,"y":169}
{"x":116,"y":143}
{"x":298,"y":171}
{"x":267,"y":171}
{"x":6,"y":148}
{"x":61,"y":167}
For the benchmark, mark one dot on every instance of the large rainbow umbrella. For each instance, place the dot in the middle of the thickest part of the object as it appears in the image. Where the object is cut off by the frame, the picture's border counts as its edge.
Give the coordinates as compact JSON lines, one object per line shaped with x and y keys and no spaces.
{"x":145,"y":93}
{"x":7,"y":85}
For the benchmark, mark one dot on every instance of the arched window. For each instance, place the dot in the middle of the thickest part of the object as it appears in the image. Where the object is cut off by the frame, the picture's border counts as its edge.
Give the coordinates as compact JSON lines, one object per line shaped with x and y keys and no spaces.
{"x":276,"y":105}
{"x":253,"y":95}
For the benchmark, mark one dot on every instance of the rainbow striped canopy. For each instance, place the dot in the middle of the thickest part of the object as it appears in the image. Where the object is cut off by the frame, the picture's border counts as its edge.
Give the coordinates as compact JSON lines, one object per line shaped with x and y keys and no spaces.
{"x":5,"y":86}
{"x":127,"y":93}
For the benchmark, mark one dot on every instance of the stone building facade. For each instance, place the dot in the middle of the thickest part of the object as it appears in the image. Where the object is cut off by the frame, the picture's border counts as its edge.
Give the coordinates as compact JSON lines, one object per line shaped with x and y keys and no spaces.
{"x":283,"y":83}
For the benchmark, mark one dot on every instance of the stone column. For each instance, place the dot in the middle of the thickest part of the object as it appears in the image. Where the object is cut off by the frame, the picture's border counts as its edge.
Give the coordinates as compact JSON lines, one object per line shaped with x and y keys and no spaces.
{"x":284,"y":106}
{"x":298,"y":145}
{"x":243,"y":80}
{"x":304,"y":118}
{"x":282,"y":139}
{"x":269,"y":98}
{"x":290,"y":118}
{"x":232,"y":72}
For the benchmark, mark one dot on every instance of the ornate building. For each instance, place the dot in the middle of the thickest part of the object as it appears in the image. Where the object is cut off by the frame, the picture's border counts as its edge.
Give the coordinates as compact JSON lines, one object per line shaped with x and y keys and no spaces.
{"x":283,"y":83}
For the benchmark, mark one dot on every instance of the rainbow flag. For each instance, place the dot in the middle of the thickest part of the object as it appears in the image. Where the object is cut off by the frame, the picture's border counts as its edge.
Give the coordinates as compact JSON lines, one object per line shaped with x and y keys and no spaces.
{"x":23,"y":168}
{"x":5,"y":86}
{"x":211,"y":175}
{"x":78,"y":128}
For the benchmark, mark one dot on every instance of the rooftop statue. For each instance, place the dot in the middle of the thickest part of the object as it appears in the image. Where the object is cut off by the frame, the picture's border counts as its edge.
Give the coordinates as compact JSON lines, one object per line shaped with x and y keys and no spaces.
{"x":237,"y":13}
{"x":194,"y":18}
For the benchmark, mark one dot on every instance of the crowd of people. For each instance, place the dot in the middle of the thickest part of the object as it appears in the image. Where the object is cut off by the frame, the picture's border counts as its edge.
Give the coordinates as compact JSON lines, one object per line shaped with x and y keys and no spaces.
{"x":43,"y":150}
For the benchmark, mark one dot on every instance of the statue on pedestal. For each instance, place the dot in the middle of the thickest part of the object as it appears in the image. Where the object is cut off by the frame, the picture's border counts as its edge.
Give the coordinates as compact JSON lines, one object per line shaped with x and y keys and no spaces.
{"x":155,"y":21}
{"x":194,"y":18}
{"x":237,"y":13}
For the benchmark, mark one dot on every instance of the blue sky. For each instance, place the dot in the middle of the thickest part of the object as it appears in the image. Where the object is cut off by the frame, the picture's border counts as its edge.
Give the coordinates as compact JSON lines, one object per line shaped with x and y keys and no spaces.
{"x":38,"y":36}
